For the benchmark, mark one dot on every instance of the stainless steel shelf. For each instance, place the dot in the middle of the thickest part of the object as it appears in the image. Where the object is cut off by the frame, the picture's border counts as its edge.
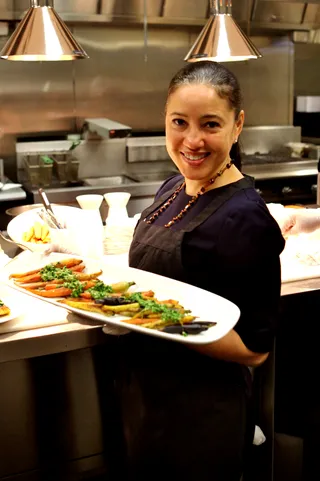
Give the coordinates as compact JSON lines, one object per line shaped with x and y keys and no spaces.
{"x":282,"y":169}
{"x":164,"y":21}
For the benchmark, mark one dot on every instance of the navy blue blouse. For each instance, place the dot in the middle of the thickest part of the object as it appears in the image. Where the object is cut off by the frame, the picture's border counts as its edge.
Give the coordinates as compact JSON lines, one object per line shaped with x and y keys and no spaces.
{"x":235,"y":254}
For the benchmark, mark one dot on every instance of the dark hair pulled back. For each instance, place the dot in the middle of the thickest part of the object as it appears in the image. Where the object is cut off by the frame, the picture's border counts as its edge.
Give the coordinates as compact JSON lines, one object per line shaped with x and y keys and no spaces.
{"x":222,"y":80}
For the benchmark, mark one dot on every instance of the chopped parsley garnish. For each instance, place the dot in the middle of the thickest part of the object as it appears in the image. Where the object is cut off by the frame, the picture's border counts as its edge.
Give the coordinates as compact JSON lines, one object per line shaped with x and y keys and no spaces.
{"x":51,"y":272}
{"x":1,"y":303}
{"x":75,"y":286}
{"x":100,"y":290}
{"x":167,"y":313}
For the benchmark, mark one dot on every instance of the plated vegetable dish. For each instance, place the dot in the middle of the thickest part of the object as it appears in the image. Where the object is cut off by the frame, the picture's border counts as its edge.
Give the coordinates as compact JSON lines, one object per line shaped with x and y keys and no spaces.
{"x":67,"y":283}
{"x":4,"y":310}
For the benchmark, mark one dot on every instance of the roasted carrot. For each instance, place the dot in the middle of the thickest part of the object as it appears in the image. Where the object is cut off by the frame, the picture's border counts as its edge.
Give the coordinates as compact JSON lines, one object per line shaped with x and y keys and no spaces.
{"x":137,"y":321}
{"x":23,"y":274}
{"x":54,"y":285}
{"x":78,"y":268}
{"x":31,"y":285}
{"x":50,"y":287}
{"x":59,"y":292}
{"x":147,"y":294}
{"x":89,"y":284}
{"x":68,"y":263}
{"x":31,"y":278}
{"x":87,"y":277}
{"x":80,"y":276}
{"x":86,"y":295}
{"x":72,"y":262}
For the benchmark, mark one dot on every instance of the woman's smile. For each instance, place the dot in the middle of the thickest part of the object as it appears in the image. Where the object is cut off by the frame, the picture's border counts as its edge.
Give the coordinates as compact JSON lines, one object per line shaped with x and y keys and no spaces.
{"x":195,"y":159}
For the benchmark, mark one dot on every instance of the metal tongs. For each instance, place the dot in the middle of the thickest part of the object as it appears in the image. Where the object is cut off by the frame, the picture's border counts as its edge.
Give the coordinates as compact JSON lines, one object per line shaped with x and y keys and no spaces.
{"x":43,"y":214}
{"x":48,"y":213}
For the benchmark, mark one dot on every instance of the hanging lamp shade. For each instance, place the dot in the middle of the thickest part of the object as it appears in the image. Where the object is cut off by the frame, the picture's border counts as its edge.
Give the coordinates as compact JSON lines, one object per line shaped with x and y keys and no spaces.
{"x":221,"y":39}
{"x":42,"y":36}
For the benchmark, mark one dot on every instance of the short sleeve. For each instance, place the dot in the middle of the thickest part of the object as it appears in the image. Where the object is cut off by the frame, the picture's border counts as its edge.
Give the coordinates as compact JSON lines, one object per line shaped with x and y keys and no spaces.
{"x":249,"y":247}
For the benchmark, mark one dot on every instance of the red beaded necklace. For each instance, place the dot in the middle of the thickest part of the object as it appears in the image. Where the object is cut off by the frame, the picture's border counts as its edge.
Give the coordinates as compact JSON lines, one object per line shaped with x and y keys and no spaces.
{"x":191,"y":201}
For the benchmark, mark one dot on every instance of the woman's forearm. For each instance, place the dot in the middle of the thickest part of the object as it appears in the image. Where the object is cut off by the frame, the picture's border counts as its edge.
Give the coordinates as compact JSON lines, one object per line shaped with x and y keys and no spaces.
{"x":231,"y":348}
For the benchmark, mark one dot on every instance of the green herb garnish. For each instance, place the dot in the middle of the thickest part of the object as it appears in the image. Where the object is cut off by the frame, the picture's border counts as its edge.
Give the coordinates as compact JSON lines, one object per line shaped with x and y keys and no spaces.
{"x":100,"y":290}
{"x":167,"y":313}
{"x":1,"y":303}
{"x":51,"y":272}
{"x":75,"y":286}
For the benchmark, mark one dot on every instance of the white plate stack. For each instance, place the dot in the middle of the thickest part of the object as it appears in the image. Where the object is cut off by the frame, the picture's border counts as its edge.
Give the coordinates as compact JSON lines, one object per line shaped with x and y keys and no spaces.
{"x":118,"y":237}
{"x":119,"y":227}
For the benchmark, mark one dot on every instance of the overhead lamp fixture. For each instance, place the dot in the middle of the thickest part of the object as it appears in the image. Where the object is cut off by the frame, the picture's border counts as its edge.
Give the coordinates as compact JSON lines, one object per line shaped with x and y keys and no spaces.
{"x":42,"y":36}
{"x":221,"y":39}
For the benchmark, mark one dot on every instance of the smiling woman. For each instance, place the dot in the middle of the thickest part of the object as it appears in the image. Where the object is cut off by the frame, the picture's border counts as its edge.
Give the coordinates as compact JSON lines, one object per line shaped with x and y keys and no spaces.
{"x":187,"y":410}
{"x":201,"y":128}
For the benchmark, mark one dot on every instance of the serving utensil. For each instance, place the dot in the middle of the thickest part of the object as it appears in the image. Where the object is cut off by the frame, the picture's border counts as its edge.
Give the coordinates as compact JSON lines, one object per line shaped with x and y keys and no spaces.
{"x":48,"y":208}
{"x":45,"y":217}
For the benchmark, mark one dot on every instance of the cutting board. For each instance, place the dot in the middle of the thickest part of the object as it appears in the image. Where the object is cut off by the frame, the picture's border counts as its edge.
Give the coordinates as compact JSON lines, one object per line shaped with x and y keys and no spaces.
{"x":295,"y":269}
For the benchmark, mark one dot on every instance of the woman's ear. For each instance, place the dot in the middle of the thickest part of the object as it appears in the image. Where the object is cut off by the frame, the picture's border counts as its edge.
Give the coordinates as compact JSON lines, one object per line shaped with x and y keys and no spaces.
{"x":239,"y":123}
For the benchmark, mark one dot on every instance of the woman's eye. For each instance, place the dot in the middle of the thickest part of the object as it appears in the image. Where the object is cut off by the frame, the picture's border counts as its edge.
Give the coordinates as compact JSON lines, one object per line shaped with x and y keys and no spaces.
{"x":179,"y":122}
{"x":212,"y":124}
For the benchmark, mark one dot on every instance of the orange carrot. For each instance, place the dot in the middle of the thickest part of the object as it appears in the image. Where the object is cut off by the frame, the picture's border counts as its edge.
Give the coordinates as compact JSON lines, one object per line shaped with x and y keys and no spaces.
{"x":31,"y":285}
{"x":147,"y":294}
{"x":78,"y":268}
{"x":136,"y":320}
{"x":50,"y":287}
{"x":31,"y":278}
{"x":86,"y":295}
{"x":55,"y":284}
{"x":68,"y":263}
{"x":24,"y":274}
{"x":87,"y":277}
{"x":60,"y":292}
{"x":64,"y":263}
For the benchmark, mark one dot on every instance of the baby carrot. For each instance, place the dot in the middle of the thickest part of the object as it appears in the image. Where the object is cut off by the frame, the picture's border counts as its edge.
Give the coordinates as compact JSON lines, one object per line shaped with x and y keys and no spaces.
{"x":59,"y":292}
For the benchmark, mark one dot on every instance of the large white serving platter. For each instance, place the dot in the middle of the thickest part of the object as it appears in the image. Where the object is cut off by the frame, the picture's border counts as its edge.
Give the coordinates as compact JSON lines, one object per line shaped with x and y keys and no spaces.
{"x":203,"y":304}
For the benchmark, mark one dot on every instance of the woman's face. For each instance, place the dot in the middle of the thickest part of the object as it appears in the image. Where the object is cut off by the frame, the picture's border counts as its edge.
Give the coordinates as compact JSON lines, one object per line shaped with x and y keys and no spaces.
{"x":200,"y":131}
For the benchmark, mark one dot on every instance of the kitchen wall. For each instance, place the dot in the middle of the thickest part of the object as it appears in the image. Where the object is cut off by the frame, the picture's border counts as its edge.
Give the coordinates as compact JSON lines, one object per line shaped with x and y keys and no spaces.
{"x":126,"y":79}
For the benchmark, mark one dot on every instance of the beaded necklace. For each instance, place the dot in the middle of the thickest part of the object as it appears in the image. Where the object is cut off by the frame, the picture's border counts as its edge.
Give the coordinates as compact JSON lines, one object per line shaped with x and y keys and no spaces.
{"x":191,"y":201}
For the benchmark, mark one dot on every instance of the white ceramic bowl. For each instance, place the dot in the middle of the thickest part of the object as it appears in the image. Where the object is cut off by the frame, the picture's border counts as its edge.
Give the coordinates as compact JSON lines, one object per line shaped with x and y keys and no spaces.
{"x":22,"y":223}
{"x":90,"y":201}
